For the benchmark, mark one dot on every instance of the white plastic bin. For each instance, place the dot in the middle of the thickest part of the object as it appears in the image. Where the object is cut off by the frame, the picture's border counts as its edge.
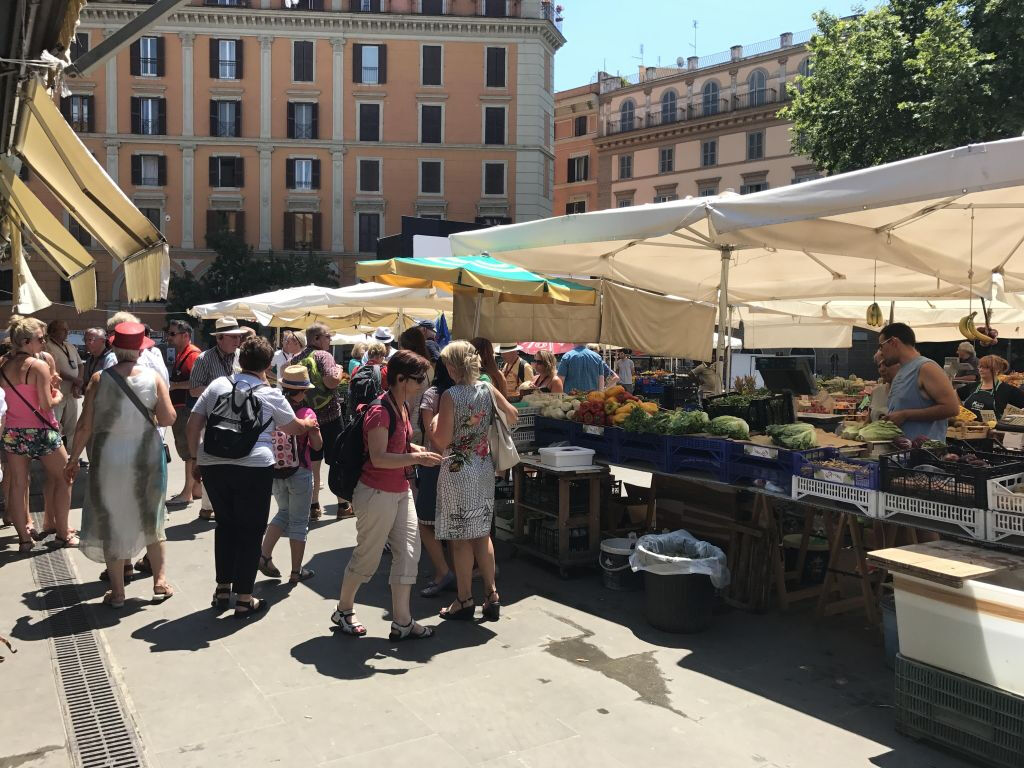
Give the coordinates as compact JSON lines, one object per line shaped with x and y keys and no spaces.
{"x":976,"y":631}
{"x":568,"y":456}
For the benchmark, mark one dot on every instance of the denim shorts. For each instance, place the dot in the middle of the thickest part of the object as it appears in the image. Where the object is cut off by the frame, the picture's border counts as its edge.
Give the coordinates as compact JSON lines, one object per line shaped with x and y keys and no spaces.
{"x":293,"y":495}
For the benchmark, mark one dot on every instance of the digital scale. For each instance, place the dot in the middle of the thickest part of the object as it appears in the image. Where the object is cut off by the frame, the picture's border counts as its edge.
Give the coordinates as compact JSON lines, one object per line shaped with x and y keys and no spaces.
{"x":1012,"y":423}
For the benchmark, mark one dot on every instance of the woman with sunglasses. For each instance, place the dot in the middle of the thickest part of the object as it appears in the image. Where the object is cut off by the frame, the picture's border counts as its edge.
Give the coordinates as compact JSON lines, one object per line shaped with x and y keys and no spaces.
{"x":31,"y":432}
{"x":383,"y":504}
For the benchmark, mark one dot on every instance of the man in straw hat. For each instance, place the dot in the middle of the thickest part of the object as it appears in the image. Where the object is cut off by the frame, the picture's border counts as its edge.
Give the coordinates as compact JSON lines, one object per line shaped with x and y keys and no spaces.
{"x":219,"y":360}
{"x":514,"y":368}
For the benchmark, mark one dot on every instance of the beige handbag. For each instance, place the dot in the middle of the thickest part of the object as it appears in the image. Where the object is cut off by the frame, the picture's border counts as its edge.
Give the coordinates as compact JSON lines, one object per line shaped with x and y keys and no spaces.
{"x":499,"y":439}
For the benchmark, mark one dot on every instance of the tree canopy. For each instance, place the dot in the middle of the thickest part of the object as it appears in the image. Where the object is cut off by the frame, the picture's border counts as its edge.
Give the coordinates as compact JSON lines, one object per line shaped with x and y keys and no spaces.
{"x":908,"y":78}
{"x":237,"y":271}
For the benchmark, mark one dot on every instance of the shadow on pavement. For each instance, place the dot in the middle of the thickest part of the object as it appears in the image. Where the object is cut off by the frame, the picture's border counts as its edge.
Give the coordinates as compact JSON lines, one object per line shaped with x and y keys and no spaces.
{"x":187,"y":531}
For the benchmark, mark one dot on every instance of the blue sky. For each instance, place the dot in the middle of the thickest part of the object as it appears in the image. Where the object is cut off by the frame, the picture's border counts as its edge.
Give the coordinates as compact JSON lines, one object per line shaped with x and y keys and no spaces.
{"x":607,"y":34}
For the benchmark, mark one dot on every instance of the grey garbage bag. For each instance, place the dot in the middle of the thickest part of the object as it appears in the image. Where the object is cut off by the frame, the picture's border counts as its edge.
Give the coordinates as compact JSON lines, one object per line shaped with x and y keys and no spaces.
{"x":678,"y":553}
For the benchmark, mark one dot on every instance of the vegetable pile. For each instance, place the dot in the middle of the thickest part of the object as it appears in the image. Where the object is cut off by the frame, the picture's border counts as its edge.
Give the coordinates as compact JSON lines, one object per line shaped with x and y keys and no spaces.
{"x":874,"y":432}
{"x":796,"y":437}
{"x":729,"y":426}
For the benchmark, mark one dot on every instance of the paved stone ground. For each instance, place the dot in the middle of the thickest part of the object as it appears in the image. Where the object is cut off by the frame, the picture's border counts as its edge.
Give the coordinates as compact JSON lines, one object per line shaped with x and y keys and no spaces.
{"x":572,"y":674}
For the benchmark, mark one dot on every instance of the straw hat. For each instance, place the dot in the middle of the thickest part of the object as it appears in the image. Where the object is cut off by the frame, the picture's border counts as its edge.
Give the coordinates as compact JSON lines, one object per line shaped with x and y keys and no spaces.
{"x":504,"y":349}
{"x":384,"y":335}
{"x":295,"y":377}
{"x":228,"y":326}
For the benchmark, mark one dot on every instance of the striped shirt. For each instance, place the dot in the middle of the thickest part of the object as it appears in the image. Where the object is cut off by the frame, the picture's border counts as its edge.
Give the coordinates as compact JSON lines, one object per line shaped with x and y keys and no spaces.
{"x":211,"y":365}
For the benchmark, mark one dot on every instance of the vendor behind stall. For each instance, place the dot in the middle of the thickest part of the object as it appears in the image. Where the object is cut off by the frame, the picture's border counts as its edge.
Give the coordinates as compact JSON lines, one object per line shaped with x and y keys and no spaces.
{"x":921,"y":398}
{"x":879,"y":405}
{"x":968,"y":372}
{"x":992,"y":394}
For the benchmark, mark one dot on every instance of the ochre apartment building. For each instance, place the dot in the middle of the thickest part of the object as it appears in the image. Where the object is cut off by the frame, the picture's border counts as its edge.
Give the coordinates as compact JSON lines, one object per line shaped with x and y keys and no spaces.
{"x":703,"y":128}
{"x":317,"y":124}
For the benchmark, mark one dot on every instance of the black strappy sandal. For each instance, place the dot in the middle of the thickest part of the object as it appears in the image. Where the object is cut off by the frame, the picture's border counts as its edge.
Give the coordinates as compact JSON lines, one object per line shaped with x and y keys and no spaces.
{"x":26,"y":545}
{"x":249,"y":608}
{"x":492,"y":608}
{"x":467,"y":608}
{"x":221,"y":598}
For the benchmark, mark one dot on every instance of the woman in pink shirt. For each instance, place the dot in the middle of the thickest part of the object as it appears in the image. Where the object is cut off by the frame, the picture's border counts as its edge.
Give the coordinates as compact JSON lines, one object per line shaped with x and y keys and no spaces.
{"x":32,"y":432}
{"x":383,"y":503}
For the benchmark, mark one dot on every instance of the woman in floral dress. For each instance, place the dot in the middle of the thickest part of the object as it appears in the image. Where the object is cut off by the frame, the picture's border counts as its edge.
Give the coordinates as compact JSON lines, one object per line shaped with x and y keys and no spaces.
{"x":465,"y":489}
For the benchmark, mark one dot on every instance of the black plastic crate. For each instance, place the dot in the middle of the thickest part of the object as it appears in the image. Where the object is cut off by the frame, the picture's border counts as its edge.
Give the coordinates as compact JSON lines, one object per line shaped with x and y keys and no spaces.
{"x":953,"y":711}
{"x":545,"y":537}
{"x":759,"y":414}
{"x":922,"y":475}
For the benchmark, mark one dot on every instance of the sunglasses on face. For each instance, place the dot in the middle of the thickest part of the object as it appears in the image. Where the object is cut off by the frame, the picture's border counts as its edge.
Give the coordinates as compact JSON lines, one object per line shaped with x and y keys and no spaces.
{"x":417,"y":379}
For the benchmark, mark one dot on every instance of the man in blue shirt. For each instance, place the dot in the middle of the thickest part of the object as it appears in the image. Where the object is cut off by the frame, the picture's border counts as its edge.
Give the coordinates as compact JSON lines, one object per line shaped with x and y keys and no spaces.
{"x":581,"y":369}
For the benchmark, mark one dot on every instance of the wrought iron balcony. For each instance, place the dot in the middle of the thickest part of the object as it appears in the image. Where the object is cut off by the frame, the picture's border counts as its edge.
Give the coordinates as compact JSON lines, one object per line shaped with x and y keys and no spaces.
{"x":698,"y":108}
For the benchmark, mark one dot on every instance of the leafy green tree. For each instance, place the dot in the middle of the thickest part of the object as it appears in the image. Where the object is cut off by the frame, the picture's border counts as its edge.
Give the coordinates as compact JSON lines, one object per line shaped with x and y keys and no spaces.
{"x":238,"y":271}
{"x":908,"y":78}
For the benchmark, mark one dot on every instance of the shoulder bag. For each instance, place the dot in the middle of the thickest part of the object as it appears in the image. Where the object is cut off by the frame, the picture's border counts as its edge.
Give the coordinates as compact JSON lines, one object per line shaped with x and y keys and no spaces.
{"x":134,"y":398}
{"x":499,"y":438}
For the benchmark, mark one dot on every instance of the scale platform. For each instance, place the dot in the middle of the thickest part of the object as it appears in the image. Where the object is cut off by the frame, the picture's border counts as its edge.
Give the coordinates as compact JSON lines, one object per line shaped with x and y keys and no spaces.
{"x":1014,"y":423}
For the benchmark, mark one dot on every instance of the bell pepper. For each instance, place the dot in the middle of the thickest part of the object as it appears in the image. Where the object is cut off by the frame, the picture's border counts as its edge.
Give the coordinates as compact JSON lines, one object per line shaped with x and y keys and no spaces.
{"x":619,"y":417}
{"x":651,"y":408}
{"x":613,"y":391}
{"x":611,"y":405}
{"x":595,"y":397}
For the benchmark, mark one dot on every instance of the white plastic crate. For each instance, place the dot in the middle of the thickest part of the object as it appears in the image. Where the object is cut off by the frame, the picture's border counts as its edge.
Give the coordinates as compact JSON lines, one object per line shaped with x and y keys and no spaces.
{"x":862,"y":499}
{"x":1005,"y":518}
{"x":523,"y":438}
{"x":527,"y":417}
{"x":933,"y":515}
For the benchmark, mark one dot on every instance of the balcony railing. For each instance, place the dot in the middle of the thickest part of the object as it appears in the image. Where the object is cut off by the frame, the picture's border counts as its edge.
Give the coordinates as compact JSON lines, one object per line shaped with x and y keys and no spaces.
{"x":303,"y":130}
{"x":227,"y":128}
{"x":697,"y":109}
{"x":227,"y":69}
{"x":149,"y":181}
{"x":228,"y":3}
{"x":147,"y":66}
{"x":149,"y":127}
{"x":371,"y":75}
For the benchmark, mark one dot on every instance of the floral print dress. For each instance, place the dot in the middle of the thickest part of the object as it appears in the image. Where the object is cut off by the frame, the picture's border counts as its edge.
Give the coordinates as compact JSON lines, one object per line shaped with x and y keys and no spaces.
{"x":465,"y":488}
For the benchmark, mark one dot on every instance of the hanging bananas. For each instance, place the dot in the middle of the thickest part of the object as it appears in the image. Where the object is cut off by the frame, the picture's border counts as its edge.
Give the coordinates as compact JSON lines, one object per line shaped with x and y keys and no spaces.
{"x":966,"y":326}
{"x":874,"y":317}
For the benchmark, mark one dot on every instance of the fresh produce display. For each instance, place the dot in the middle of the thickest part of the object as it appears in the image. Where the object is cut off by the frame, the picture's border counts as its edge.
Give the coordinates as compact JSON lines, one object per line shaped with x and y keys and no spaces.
{"x":608,"y":407}
{"x":985,"y":335}
{"x":965,"y":415}
{"x":840,"y":386}
{"x":796,"y":437}
{"x":729,"y":426}
{"x":643,"y":422}
{"x":682,"y":422}
{"x":876,"y":431}
{"x":874,"y":317}
{"x":837,"y":465}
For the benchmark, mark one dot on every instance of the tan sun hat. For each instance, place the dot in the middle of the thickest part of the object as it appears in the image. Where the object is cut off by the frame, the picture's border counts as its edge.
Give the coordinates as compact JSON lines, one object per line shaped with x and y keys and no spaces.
{"x":228,"y":326}
{"x":295,"y":377}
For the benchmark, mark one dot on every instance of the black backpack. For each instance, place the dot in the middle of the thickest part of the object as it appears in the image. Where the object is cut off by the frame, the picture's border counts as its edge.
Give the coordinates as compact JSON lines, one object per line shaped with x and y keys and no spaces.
{"x":351,"y":454}
{"x":366,"y":386}
{"x":233,"y":426}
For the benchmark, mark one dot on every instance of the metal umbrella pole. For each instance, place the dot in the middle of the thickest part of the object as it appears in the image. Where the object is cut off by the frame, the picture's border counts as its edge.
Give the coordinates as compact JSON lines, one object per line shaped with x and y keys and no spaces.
{"x":723,"y":316}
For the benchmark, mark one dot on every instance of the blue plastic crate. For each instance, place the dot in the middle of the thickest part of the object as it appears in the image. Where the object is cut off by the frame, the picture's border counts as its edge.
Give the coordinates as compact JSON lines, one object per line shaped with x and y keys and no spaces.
{"x":642,"y":447}
{"x":773,"y":456}
{"x":548,"y":431}
{"x":743,"y":472}
{"x":864,"y":476}
{"x":603,"y":441}
{"x":697,"y":454}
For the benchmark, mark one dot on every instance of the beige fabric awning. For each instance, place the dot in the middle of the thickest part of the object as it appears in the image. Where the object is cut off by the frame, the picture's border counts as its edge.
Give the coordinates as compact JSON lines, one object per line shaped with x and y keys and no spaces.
{"x":55,"y":244}
{"x":658,"y":325}
{"x":53,"y":151}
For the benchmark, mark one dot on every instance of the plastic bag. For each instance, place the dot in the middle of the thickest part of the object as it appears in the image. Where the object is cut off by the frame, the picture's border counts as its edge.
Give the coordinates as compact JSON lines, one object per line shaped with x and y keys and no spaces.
{"x":676,"y":553}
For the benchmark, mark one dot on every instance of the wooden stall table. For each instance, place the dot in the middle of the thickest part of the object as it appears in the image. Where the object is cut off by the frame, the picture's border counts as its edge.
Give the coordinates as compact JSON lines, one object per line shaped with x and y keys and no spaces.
{"x":564,"y":557}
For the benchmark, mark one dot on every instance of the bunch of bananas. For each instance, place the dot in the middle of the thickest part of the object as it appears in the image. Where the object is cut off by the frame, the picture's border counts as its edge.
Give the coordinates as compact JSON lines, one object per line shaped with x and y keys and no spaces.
{"x":984,"y":336}
{"x":874,"y":317}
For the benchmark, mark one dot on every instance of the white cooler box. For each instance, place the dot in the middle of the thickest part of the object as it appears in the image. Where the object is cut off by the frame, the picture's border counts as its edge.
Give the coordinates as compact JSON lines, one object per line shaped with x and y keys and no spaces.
{"x":567,"y":457}
{"x":976,"y":630}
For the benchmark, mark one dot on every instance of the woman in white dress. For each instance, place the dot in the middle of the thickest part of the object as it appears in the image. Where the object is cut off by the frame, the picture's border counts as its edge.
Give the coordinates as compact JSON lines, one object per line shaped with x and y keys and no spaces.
{"x":124,"y":506}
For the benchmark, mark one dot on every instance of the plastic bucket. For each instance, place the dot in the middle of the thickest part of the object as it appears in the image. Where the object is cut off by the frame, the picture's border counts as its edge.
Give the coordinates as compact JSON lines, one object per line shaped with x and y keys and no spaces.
{"x":616,"y":572}
{"x":890,"y":630}
{"x":680,"y":603}
{"x":815,"y":561}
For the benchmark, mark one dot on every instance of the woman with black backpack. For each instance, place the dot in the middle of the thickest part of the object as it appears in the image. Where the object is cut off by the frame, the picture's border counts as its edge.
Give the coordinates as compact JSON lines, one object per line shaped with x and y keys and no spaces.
{"x":236,"y":464}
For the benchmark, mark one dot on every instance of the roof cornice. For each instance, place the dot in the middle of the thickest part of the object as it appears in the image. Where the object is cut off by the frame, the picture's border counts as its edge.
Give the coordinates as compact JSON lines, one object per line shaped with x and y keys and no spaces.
{"x":249,"y":21}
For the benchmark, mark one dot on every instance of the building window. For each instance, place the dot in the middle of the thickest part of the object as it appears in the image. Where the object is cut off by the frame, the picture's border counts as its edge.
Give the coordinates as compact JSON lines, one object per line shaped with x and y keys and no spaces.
{"x":576,"y":206}
{"x":627,"y":115}
{"x":365,"y":6}
{"x":302,"y":173}
{"x":227,"y":172}
{"x":147,"y":57}
{"x":79,"y":111}
{"x":755,"y":145}
{"x":754,"y":186}
{"x":494,"y":179}
{"x":431,"y":64}
{"x":305,"y":5}
{"x":369,"y":175}
{"x":149,"y":170}
{"x":231,"y":222}
{"x":669,"y":112}
{"x":624,"y":202}
{"x":369,"y":121}
{"x":153,"y":214}
{"x":757,"y":91}
{"x":302,"y":231}
{"x":495,"y":68}
{"x":666,"y":160}
{"x":149,"y":115}
{"x":803,"y":176}
{"x":580,"y":126}
{"x":226,"y":59}
{"x":432,"y":7}
{"x":430,"y":123}
{"x":707,"y":190}
{"x":431,"y":173}
{"x":579,"y":169}
{"x":66,"y":293}
{"x":302,"y":61}
{"x":495,"y":8}
{"x":369,"y":64}
{"x":625,"y":166}
{"x":709,"y":152}
{"x":369,"y":232}
{"x":79,"y":45}
{"x":302,"y":120}
{"x":494,"y":125}
{"x":80,"y":233}
{"x":225,"y":118}
{"x":710,"y":98}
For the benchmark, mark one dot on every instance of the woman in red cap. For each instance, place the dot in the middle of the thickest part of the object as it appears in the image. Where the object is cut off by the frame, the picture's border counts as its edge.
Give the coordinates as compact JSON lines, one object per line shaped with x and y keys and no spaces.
{"x":124,"y":505}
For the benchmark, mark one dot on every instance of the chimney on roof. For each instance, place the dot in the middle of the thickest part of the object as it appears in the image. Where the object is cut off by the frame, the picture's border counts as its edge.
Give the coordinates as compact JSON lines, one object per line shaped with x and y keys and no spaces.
{"x":691,"y":62}
{"x":736,"y":52}
{"x":785,"y":40}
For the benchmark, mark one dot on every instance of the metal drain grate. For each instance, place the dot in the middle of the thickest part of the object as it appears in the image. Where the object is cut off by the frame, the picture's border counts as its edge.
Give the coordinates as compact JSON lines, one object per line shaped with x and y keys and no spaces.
{"x":102,"y":733}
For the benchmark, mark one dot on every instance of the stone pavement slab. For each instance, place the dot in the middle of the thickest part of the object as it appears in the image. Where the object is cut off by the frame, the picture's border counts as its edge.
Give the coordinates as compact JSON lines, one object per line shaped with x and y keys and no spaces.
{"x":571,"y":675}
